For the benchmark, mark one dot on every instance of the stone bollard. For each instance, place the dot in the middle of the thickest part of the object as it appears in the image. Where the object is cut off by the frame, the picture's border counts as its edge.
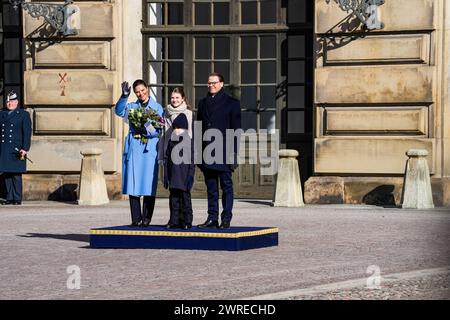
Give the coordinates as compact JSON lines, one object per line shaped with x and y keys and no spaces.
{"x":416,"y":184}
{"x":288,"y":191}
{"x":92,"y":180}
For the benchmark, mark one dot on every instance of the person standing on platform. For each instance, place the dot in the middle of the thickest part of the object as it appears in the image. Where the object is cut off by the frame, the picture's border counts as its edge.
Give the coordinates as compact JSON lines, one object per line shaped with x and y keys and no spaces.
{"x":15,"y":126}
{"x":140,"y":166}
{"x":219,"y":111}
{"x":179,"y":168}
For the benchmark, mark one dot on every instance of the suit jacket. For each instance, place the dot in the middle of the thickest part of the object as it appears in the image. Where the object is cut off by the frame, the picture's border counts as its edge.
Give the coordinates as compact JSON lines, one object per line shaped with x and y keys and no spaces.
{"x":15,"y":130}
{"x":220,"y":112}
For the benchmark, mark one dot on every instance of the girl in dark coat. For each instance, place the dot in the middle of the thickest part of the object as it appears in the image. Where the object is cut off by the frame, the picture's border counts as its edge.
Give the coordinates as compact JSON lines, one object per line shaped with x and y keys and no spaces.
{"x":179,"y":169}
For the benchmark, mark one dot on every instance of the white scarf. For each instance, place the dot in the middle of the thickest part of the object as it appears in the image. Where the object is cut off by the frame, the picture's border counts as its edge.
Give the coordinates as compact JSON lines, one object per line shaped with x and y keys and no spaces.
{"x":173,"y":112}
{"x":170,"y":114}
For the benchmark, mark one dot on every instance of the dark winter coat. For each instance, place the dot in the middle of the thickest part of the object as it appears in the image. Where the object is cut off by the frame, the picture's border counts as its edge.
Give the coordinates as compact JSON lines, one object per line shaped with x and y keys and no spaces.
{"x":178,"y":174}
{"x":15,"y":130}
{"x":220,"y":112}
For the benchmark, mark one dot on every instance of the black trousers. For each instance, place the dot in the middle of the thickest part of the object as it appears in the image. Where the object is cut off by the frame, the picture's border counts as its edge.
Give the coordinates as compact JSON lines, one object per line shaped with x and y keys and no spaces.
{"x":147,"y":210}
{"x":212,"y":179}
{"x":180,"y":207}
{"x":13,"y":186}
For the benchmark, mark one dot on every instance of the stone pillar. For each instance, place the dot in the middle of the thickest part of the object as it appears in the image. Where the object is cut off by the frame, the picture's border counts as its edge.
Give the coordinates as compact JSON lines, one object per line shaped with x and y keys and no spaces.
{"x":288,"y":191}
{"x":92,"y":181}
{"x":417,"y":186}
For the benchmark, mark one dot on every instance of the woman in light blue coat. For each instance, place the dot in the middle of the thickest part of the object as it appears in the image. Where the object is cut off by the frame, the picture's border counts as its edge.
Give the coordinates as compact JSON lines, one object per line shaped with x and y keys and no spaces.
{"x":140,"y":165}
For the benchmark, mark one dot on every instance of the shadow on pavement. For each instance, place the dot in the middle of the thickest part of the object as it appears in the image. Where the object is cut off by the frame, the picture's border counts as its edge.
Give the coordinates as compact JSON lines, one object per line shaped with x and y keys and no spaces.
{"x":261,"y":202}
{"x":71,"y":237}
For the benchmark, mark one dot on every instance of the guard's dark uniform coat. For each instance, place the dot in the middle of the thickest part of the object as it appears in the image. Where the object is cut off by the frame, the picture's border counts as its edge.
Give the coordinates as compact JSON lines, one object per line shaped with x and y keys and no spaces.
{"x":15,"y":127}
{"x":15,"y":130}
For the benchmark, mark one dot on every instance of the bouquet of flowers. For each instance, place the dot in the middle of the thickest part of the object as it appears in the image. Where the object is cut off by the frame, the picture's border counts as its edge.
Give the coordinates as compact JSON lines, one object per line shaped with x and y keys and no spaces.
{"x":138,"y":117}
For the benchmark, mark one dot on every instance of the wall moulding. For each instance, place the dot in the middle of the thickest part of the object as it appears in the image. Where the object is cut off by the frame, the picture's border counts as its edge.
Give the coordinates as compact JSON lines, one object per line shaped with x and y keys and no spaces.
{"x":380,"y":120}
{"x":63,"y":154}
{"x":72,"y":121}
{"x":69,"y":87}
{"x":368,"y":155}
{"x":72,"y":54}
{"x":374,"y":84}
{"x":376,"y":49}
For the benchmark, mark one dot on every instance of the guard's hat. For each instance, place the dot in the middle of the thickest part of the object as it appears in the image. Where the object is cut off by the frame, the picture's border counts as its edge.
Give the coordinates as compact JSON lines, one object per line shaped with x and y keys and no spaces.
{"x":11,"y":96}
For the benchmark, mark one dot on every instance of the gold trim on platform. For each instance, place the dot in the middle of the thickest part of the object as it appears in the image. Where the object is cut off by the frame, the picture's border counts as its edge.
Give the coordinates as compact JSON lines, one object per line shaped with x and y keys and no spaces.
{"x":184,"y":234}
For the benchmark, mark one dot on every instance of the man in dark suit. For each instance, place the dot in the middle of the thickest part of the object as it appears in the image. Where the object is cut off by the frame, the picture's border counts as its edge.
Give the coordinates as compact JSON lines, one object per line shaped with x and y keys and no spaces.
{"x":15,"y":126}
{"x":219,"y":111}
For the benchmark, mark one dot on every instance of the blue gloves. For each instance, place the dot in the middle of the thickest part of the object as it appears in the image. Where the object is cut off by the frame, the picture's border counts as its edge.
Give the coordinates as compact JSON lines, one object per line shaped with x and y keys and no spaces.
{"x":189,"y":182}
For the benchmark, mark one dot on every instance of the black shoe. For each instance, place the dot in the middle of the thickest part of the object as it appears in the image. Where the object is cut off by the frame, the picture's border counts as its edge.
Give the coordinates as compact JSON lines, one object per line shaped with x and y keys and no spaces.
{"x":209,"y":224}
{"x":225,"y":225}
{"x":15,"y":202}
{"x":145,"y":223}
{"x":171,"y":226}
{"x":134,"y":224}
{"x":186,"y":226}
{"x":8,"y":202}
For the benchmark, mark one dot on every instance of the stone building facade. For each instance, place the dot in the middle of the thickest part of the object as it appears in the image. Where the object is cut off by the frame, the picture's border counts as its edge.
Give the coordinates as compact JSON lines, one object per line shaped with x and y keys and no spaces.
{"x":377,"y":94}
{"x":352,"y":101}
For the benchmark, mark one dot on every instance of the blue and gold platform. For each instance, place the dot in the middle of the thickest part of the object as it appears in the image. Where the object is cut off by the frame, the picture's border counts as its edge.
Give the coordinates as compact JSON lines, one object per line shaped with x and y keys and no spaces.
{"x":158,"y":237}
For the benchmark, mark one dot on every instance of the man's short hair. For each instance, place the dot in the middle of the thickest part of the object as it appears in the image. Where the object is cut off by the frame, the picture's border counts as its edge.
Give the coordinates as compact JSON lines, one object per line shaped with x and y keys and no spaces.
{"x":218,"y":75}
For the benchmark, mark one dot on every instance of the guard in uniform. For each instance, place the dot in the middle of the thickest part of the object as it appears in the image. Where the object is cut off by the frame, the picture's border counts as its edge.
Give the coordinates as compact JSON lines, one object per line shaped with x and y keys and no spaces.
{"x":15,"y":126}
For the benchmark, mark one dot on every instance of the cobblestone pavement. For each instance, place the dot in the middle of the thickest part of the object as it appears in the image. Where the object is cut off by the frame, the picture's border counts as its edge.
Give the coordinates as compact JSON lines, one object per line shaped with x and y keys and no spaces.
{"x":319,"y":245}
{"x":433,"y":287}
{"x":417,"y":285}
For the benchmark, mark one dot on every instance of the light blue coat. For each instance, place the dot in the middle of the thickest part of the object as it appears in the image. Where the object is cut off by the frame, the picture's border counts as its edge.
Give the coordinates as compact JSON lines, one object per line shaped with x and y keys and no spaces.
{"x":140,"y":166}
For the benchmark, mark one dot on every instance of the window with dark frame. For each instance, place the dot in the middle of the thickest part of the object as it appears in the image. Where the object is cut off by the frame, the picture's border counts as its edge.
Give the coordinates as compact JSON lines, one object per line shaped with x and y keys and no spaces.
{"x":264,"y":49}
{"x":211,"y":54}
{"x":237,"y":44}
{"x":165,"y":64}
{"x":11,"y":51}
{"x":214,"y":13}
{"x":258,"y":12}
{"x":258,"y":81}
{"x":296,"y":83}
{"x":164,"y":13}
